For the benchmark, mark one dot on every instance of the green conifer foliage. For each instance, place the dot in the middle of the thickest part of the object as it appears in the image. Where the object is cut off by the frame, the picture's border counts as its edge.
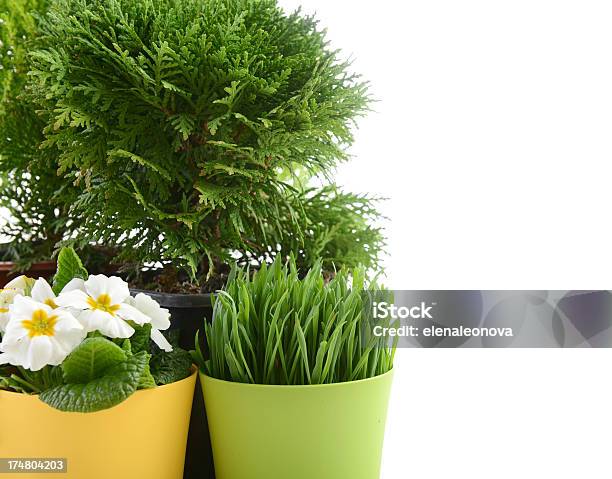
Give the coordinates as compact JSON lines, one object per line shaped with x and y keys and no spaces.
{"x":340,"y":231}
{"x":178,"y":119}
{"x":29,"y":185}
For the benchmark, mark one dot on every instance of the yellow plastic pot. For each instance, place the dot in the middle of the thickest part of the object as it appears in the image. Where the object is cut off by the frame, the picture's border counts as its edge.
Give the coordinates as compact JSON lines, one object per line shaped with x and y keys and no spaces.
{"x":141,"y":438}
{"x":330,"y":431}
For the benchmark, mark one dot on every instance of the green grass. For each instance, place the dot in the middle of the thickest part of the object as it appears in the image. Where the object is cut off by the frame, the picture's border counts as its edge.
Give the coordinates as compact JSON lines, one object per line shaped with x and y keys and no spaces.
{"x":274,"y":327}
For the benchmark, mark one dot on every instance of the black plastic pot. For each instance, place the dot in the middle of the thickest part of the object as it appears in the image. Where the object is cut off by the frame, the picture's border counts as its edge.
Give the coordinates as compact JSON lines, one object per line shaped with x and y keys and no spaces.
{"x":189,"y":311}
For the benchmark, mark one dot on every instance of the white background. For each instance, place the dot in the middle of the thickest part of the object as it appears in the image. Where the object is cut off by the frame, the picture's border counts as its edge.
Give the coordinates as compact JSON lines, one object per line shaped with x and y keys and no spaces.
{"x":492,"y":139}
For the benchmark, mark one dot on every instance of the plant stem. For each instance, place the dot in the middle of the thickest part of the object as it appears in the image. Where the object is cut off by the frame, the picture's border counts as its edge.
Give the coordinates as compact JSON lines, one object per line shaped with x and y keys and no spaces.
{"x":25,"y":383}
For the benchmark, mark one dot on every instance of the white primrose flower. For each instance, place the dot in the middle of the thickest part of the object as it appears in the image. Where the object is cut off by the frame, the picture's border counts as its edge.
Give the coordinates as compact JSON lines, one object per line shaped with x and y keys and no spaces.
{"x":6,"y":299}
{"x":160,"y":318}
{"x":42,"y":292}
{"x":102,"y":306}
{"x":37,"y":335}
{"x":20,"y":285}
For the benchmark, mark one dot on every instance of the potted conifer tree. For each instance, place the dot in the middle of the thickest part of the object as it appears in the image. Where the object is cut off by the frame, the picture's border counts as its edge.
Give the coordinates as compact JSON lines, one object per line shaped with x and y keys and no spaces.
{"x":295,"y":383}
{"x":191,"y":130}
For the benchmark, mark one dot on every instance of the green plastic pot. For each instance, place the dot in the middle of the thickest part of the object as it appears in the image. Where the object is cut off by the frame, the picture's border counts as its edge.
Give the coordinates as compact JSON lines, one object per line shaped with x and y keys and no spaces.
{"x":331,"y":431}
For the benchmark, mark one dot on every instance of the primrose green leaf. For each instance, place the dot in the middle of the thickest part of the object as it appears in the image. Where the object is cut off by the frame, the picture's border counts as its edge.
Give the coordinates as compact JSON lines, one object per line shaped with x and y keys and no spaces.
{"x":141,"y":338}
{"x":118,"y":384}
{"x":91,"y":360}
{"x":170,"y":367}
{"x":69,"y":266}
{"x":126,"y":345}
{"x":147,"y":381}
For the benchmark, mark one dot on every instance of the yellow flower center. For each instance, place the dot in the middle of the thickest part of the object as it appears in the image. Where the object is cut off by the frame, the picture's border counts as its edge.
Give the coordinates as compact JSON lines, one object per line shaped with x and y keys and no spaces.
{"x":41,"y":324}
{"x":4,"y":310}
{"x":103,"y":303}
{"x":51,"y":303}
